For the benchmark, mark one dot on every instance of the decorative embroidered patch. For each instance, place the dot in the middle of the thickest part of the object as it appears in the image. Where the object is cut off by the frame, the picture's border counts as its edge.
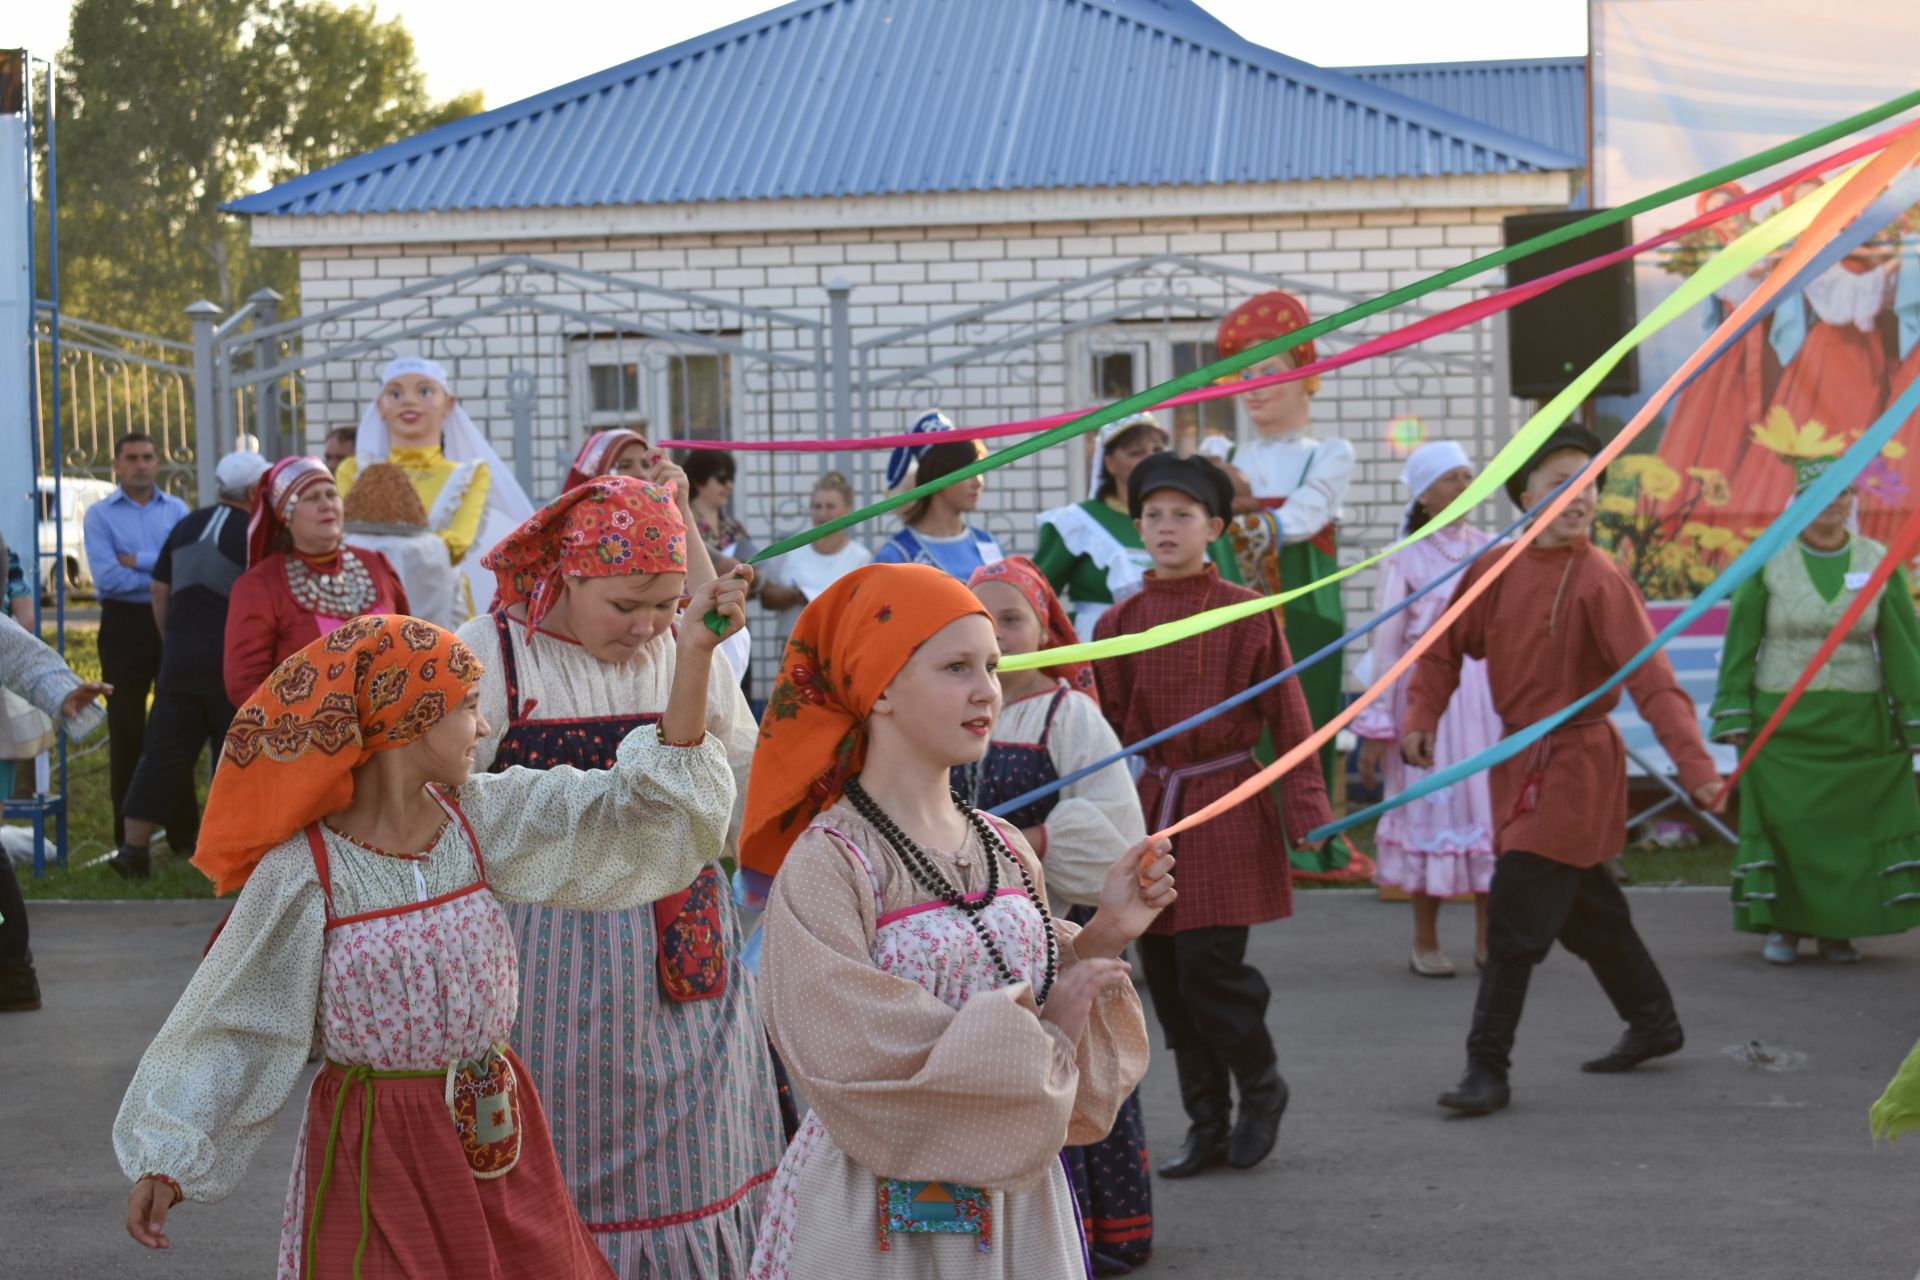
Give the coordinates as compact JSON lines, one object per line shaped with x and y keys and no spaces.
{"x":483,"y":1097}
{"x":941,"y":1208}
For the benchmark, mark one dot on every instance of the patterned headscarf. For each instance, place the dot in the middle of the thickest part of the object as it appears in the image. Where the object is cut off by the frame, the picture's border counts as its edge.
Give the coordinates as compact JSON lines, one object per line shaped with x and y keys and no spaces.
{"x":607,"y":528}
{"x":374,"y":683}
{"x":599,"y":453}
{"x":273,"y":502}
{"x":849,"y":643}
{"x":1024,"y":576}
{"x":901,"y":460}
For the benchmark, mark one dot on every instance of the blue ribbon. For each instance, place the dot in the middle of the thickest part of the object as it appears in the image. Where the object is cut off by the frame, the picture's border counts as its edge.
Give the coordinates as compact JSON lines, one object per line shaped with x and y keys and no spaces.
{"x":1774,"y":539}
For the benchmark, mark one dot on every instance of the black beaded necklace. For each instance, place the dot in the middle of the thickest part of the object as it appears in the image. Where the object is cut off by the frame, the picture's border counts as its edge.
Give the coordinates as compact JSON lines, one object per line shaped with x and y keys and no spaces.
{"x":920,"y":866}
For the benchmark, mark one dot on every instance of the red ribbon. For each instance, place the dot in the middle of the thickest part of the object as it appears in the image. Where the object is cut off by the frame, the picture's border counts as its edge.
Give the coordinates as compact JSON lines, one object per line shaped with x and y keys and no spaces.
{"x":1898,"y":550}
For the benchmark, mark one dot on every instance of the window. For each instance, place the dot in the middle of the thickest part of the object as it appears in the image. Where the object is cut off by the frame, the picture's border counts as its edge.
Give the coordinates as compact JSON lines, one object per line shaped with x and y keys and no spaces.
{"x":658,"y":388}
{"x":1193,"y":423}
{"x":1142,"y":355}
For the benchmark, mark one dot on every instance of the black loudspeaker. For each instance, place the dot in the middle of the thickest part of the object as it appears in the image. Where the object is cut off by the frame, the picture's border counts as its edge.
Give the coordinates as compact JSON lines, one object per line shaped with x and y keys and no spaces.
{"x":1551,"y":338}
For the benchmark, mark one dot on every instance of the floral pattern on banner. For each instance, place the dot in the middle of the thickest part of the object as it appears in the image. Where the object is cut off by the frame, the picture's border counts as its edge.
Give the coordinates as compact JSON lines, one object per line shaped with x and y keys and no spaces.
{"x":1671,"y":532}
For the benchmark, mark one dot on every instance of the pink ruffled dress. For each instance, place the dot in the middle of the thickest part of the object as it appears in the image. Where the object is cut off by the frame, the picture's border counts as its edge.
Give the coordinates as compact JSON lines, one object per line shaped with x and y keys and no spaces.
{"x":1440,"y":844}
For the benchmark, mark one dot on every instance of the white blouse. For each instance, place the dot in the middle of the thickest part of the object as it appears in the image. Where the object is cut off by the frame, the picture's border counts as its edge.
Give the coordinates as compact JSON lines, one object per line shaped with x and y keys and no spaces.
{"x":232,"y":1051}
{"x":1097,"y":818}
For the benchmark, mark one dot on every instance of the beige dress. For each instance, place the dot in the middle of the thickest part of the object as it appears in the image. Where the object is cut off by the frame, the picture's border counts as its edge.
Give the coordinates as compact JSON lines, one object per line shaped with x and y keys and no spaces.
{"x":920,"y":1066}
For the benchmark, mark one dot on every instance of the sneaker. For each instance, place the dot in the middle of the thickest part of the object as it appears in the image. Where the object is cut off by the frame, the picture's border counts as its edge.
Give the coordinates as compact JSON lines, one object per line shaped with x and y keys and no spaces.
{"x":1838,"y":951}
{"x":1781,"y":948}
{"x":19,"y":987}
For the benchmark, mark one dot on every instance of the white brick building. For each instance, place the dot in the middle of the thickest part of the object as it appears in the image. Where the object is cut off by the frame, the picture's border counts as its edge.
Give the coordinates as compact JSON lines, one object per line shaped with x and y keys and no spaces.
{"x":698,"y":298}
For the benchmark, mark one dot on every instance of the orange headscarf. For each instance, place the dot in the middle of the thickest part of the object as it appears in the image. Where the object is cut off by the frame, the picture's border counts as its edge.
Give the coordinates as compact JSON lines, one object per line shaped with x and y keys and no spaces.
{"x":849,"y":644}
{"x":376,"y":682}
{"x":1024,"y":576}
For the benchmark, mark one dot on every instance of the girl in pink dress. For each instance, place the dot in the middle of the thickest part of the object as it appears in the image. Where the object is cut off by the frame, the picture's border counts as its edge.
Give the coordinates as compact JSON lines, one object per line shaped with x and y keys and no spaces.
{"x":1440,"y":846}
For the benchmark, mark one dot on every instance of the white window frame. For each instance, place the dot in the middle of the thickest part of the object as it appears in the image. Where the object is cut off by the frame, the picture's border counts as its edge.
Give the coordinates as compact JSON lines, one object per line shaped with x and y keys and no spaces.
{"x":652,"y":414}
{"x":1151,"y":346}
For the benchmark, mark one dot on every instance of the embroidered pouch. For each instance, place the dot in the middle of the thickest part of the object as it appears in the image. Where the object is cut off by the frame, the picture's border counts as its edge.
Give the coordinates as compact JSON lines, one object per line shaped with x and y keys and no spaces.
{"x":693,"y":957}
{"x":483,"y":1097}
{"x":942,"y":1208}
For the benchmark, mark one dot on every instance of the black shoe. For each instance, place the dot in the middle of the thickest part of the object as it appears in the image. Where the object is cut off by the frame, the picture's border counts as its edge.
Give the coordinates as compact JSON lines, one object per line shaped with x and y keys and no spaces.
{"x":1258,"y":1128}
{"x":19,"y":987}
{"x":130,"y":863}
{"x":1638,"y":1045}
{"x":1205,"y":1147}
{"x":1481,"y":1092}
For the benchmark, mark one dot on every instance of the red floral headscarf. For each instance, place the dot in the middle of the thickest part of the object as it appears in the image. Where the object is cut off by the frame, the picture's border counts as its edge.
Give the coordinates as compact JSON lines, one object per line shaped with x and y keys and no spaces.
{"x":374,"y":683}
{"x":599,"y":453}
{"x":606,"y":528}
{"x":273,"y":501}
{"x":849,"y":643}
{"x":1024,"y":576}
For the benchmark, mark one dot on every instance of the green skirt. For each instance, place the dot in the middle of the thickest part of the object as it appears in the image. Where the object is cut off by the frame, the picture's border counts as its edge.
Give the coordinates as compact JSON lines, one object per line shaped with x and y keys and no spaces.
{"x":1312,"y":623}
{"x":1829,"y":823}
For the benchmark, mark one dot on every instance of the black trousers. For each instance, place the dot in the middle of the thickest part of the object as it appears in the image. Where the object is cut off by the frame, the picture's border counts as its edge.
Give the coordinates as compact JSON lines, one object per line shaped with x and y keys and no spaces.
{"x":13,"y":907}
{"x":1535,"y":902}
{"x":1211,"y":1003}
{"x":130,"y":662}
{"x":177,"y":727}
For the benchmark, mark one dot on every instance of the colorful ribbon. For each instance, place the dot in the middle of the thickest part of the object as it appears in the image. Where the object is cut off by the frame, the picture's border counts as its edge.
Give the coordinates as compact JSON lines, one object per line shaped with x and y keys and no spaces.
{"x":1427,"y":328}
{"x":1734,"y":260}
{"x":1822,"y":247}
{"x":1248,"y":695}
{"x":1407,"y":293}
{"x":1904,"y":542}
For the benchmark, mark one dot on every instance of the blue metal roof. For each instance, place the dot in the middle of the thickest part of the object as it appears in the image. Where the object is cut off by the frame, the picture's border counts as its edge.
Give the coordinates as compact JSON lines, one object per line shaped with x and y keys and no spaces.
{"x":825,"y":98}
{"x":1540,"y":98}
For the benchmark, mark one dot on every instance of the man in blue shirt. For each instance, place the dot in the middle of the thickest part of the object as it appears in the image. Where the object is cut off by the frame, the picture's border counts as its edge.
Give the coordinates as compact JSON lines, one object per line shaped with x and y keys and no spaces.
{"x":124,"y":534}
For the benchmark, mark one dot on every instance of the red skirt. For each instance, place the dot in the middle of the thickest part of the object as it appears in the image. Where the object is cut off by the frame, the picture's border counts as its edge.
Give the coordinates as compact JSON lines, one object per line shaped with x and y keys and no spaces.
{"x":427,"y":1216}
{"x":1710,"y":426}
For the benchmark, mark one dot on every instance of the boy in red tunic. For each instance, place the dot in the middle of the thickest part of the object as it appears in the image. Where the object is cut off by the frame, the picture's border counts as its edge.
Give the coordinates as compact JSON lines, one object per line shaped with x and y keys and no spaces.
{"x":1211,"y":1004}
{"x":1552,"y":628}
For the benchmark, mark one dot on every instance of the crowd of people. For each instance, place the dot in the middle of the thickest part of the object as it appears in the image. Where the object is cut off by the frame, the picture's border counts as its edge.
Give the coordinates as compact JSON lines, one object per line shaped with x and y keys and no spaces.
{"x":486,"y":854}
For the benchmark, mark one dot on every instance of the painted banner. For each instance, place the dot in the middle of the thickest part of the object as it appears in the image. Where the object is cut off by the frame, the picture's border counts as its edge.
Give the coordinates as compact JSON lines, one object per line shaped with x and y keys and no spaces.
{"x":1681,"y":86}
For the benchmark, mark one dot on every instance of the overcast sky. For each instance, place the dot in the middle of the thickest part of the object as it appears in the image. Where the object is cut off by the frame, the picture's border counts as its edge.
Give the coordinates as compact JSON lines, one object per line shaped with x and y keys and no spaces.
{"x":512,"y":50}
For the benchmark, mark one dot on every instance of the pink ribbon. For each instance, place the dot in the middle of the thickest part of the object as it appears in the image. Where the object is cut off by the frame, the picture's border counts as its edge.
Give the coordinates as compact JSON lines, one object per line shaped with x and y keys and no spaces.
{"x":1410,"y":335}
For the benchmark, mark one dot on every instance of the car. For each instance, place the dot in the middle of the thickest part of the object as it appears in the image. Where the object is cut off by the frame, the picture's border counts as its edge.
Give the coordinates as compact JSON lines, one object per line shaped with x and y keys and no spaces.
{"x":77,"y":493}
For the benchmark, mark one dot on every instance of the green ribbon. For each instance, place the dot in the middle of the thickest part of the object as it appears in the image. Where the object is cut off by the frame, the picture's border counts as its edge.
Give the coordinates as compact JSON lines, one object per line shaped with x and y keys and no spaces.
{"x":1734,"y":260}
{"x":1206,"y":374}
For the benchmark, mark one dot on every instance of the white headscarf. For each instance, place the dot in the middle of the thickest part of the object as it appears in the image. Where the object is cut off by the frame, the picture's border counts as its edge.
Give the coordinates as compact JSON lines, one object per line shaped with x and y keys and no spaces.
{"x":1427,"y":464}
{"x":461,"y":441}
{"x":1108,"y":434}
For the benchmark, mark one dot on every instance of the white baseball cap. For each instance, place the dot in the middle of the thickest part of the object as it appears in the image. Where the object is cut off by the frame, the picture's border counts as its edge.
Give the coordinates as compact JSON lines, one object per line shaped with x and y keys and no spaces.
{"x":237,"y":471}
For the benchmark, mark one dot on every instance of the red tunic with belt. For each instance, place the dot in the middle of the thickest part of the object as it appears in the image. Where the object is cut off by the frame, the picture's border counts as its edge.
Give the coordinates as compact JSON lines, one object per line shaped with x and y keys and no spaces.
{"x":1553,"y":628}
{"x":1233,"y":870}
{"x":266,"y":625}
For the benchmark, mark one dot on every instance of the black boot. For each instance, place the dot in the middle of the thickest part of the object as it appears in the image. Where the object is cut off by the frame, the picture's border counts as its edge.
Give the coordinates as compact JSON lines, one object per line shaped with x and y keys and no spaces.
{"x":1640,"y":996}
{"x":1496,"y":1017}
{"x":1654,"y":1037}
{"x":1204,"y":1094}
{"x":130,"y":863}
{"x":19,"y":987}
{"x":1262,"y":1103}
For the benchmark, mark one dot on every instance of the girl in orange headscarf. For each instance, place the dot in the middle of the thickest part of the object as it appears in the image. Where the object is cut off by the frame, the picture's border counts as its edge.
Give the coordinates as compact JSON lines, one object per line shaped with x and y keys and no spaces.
{"x":950,"y":1034}
{"x":1050,"y":728}
{"x":641,"y":1025}
{"x":371,"y":866}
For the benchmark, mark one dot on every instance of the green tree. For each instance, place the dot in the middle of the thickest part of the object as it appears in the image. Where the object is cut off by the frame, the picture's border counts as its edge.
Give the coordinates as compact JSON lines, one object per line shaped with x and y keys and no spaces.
{"x":171,"y":108}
